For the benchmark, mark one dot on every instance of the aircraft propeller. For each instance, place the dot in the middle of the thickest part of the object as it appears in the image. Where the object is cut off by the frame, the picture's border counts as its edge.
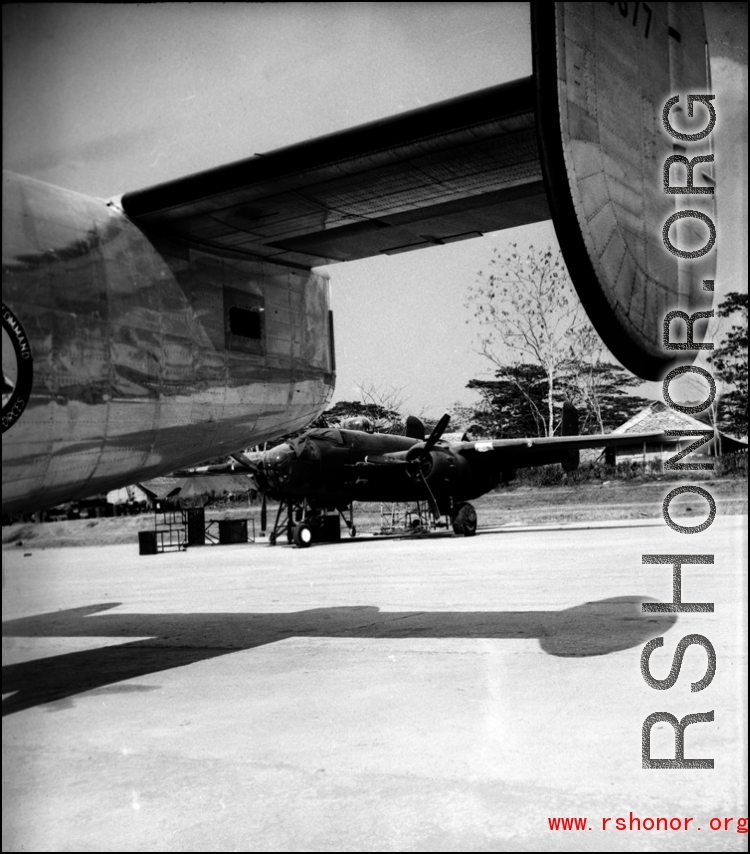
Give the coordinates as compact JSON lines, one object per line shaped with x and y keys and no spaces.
{"x":434,"y":509}
{"x":434,"y":437}
{"x":415,"y":461}
{"x":422,"y":456}
{"x":256,"y":470}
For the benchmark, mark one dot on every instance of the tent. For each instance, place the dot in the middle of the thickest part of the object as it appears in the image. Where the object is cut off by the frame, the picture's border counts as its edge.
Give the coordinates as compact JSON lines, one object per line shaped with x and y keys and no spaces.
{"x":197,"y":490}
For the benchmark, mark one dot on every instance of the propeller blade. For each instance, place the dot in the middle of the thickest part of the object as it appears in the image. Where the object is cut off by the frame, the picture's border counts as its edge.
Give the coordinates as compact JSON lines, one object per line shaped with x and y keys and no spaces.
{"x":247,"y":463}
{"x":434,"y":509}
{"x":436,"y":434}
{"x":263,"y":512}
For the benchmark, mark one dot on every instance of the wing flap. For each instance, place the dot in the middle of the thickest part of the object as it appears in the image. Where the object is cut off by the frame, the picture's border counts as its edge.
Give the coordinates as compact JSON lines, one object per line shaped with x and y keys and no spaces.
{"x":442,"y":173}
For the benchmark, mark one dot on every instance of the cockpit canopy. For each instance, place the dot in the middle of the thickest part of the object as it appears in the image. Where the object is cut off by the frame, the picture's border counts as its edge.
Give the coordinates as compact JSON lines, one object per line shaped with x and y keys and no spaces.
{"x":327,"y":434}
{"x":357,"y":422}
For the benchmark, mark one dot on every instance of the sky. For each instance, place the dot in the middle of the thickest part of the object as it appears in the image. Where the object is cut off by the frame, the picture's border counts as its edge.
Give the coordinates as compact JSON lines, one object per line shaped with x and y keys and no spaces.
{"x":106,"y":98}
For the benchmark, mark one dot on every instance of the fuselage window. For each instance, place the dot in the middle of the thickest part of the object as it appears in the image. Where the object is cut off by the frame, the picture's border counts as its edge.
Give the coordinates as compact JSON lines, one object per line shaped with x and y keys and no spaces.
{"x":245,"y":322}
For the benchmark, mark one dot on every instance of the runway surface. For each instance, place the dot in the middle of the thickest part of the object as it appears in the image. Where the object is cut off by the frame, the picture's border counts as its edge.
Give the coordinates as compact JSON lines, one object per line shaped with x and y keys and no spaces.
{"x":445,"y":694}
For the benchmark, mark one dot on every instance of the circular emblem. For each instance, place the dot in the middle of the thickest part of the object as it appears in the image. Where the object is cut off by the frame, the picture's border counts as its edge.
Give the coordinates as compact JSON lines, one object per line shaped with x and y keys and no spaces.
{"x":18,"y":369}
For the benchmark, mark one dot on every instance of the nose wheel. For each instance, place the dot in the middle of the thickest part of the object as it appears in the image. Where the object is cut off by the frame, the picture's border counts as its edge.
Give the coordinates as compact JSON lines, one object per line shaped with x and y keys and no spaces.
{"x":302,"y":535}
{"x":305,"y":522}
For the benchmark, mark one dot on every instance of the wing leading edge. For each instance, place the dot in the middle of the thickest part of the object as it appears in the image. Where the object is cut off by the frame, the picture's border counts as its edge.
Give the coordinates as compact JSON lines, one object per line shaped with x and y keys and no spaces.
{"x":562,"y":443}
{"x":435,"y":175}
{"x":522,"y":453}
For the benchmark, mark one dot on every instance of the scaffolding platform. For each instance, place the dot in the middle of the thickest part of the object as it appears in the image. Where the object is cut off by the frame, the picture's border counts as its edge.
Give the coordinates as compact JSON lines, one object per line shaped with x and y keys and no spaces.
{"x":175,"y":529}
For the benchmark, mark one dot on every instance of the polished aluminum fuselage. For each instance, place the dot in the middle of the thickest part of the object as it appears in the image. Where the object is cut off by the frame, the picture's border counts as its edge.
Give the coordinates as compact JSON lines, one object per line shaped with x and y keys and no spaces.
{"x":136,"y":367}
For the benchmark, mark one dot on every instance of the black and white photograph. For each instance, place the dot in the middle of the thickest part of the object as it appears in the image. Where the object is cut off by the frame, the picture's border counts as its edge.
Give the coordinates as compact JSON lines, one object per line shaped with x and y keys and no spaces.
{"x":374,"y":418}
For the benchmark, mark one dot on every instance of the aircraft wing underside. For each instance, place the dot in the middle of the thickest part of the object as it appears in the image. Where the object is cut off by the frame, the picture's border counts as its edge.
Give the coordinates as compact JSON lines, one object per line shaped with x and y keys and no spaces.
{"x":436,"y":175}
{"x":581,"y":142}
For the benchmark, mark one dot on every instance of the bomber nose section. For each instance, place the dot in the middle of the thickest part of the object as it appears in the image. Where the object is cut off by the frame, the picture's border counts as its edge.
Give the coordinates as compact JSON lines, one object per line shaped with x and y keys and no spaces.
{"x":277,"y":465}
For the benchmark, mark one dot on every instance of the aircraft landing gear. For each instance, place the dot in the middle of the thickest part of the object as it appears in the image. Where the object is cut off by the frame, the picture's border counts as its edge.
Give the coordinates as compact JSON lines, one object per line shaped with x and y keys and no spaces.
{"x":464,"y":518}
{"x":302,"y":535}
{"x":349,"y":522}
{"x":305,"y":523}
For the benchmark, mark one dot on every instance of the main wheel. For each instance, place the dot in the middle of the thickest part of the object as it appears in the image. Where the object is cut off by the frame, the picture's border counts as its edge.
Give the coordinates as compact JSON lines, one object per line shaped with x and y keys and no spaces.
{"x":465,"y":520}
{"x":302,"y":535}
{"x":352,"y":531}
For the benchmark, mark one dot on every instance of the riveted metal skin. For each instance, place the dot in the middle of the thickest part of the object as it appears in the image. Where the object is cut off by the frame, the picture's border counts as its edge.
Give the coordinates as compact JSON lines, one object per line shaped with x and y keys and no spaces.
{"x":136,"y":371}
{"x":604,"y":72}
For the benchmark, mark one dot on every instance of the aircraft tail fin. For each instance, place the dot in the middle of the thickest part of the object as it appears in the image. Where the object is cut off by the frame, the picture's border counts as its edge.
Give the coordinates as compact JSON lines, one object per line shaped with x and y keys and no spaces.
{"x":569,"y":427}
{"x":414,"y":428}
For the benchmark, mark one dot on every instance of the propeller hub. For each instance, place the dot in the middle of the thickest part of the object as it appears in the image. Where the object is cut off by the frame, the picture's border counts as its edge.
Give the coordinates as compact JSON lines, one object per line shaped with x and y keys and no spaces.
{"x":421,"y":461}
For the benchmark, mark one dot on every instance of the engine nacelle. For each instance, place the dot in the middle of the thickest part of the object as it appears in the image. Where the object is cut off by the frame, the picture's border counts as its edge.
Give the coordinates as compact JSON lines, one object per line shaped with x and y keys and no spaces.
{"x":440,"y":467}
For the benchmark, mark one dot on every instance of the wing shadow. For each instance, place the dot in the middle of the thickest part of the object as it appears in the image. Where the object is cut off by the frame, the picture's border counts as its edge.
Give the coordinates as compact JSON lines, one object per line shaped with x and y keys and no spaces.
{"x":175,"y":640}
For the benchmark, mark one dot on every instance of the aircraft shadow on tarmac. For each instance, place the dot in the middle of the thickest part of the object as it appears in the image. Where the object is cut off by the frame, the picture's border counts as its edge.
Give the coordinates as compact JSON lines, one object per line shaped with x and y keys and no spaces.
{"x":174,"y":640}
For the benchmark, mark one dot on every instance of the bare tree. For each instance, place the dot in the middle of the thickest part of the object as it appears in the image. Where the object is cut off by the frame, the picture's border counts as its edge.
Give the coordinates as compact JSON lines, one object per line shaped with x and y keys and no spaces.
{"x":587,"y":365}
{"x":382,"y":396}
{"x":379,"y":408}
{"x":527,"y":304}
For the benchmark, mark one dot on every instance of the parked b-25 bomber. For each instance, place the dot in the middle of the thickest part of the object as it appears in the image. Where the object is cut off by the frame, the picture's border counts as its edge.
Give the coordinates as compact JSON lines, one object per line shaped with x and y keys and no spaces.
{"x":317,"y":476}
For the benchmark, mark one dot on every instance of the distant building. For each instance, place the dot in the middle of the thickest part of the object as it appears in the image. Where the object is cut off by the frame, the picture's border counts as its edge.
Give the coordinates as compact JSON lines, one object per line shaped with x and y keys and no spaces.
{"x":656,"y":417}
{"x":459,"y":436}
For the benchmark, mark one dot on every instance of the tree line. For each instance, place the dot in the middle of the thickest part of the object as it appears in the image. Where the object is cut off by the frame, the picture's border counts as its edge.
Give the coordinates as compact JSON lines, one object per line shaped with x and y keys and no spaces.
{"x":534,"y":331}
{"x":544,"y":350}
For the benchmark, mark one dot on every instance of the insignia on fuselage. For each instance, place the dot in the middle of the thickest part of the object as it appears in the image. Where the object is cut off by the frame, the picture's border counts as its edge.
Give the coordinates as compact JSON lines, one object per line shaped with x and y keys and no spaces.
{"x":18,"y":369}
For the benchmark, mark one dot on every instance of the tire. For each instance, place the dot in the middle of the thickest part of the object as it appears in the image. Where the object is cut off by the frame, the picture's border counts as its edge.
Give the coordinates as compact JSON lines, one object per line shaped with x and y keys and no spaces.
{"x":302,"y":536}
{"x":353,"y":531}
{"x":465,"y":520}
{"x":272,"y":538}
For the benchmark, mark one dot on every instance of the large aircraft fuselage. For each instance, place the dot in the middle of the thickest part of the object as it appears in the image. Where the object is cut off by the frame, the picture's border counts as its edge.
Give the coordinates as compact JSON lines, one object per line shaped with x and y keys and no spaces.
{"x":126,"y":356}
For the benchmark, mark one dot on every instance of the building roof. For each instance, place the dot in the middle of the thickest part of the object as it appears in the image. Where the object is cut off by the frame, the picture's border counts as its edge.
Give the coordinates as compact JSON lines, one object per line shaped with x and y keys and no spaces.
{"x":658,"y":416}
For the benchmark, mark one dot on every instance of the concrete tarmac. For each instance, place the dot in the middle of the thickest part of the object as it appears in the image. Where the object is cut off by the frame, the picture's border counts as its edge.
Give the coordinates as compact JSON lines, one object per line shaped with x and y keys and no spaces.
{"x":405,"y":695}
